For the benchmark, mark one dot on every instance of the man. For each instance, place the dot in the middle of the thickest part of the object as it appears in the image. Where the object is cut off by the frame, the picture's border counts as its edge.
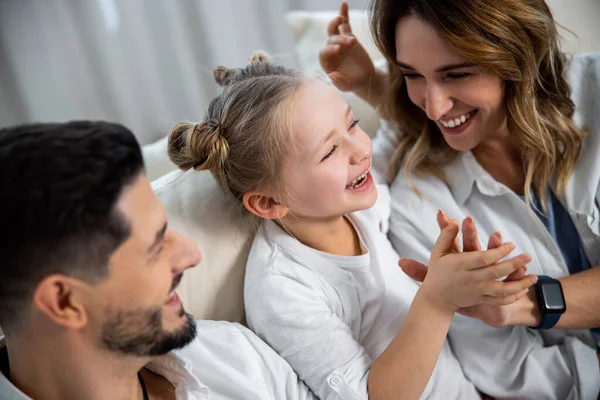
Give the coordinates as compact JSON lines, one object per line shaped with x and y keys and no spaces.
{"x":88,"y":278}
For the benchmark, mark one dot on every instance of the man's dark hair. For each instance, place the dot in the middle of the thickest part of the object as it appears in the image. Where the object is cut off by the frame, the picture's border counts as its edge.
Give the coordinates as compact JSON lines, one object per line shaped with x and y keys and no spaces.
{"x":59,"y":186}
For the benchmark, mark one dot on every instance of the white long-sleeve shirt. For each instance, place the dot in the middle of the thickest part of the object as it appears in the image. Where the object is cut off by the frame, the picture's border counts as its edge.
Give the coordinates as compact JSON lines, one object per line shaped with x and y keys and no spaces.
{"x":226,"y":361}
{"x":513,"y":361}
{"x":330,"y":316}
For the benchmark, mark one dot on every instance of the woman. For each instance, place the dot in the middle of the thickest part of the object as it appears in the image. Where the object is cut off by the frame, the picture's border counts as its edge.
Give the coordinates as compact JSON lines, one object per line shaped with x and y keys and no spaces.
{"x":479,"y":123}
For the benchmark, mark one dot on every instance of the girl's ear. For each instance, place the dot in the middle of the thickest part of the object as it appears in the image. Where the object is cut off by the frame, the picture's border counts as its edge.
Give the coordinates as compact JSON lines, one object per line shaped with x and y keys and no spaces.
{"x":264,"y":206}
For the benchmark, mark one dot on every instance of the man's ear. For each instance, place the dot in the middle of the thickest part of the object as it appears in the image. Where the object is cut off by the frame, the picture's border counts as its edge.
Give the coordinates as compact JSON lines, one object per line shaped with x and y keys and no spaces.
{"x":264,"y":206}
{"x":57,"y":297}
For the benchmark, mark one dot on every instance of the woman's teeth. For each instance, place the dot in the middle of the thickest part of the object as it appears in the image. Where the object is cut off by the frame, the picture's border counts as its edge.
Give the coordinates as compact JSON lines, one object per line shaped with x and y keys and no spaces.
{"x":358,"y":182}
{"x":458,"y":121}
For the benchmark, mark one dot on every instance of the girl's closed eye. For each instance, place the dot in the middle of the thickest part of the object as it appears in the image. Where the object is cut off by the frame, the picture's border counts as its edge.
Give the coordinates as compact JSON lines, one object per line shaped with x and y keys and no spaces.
{"x":354,"y":123}
{"x":330,"y":153}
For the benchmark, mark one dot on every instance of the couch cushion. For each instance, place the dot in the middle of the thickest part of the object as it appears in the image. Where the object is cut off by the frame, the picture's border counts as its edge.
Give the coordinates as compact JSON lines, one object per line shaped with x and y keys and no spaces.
{"x":197,"y":208}
{"x":156,"y":159}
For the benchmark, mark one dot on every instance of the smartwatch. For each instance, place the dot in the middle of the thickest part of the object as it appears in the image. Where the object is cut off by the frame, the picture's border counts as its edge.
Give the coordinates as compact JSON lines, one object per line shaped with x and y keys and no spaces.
{"x":551,"y":301}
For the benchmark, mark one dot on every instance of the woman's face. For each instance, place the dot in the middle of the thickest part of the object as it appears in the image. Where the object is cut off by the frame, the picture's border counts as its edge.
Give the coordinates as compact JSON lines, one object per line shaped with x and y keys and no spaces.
{"x":464,"y":100}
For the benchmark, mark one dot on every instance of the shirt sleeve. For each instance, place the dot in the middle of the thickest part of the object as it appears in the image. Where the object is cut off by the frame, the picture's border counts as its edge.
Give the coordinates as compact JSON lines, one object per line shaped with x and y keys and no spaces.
{"x":515,"y":362}
{"x":510,"y":362}
{"x":296,"y":321}
{"x":281,"y":381}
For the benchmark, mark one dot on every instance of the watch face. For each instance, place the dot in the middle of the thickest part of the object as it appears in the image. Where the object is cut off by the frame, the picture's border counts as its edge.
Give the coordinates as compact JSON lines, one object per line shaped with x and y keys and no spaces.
{"x":553,"y":299}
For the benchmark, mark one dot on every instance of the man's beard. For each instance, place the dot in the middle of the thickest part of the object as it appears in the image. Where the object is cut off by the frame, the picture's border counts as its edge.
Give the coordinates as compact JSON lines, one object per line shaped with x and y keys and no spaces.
{"x":140,"y":332}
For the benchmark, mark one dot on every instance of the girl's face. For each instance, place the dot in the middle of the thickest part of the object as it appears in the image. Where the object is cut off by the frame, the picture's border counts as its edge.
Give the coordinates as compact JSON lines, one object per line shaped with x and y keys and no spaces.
{"x":329,"y":173}
{"x":465,"y":101}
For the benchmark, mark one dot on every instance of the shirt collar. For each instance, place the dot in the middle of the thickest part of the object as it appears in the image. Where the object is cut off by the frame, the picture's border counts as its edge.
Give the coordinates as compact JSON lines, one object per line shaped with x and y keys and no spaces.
{"x":173,"y":367}
{"x":8,"y":391}
{"x":464,"y":173}
{"x":178,"y":370}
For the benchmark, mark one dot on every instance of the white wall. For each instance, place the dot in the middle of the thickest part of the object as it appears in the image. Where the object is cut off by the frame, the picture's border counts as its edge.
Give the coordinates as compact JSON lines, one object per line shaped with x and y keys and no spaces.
{"x":581,"y":17}
{"x":326,"y":4}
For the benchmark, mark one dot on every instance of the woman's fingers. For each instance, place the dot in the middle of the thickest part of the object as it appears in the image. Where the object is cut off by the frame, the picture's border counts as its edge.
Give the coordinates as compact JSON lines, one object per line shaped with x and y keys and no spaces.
{"x":414,"y":269}
{"x":333,"y":27}
{"x":341,"y":23}
{"x":345,"y":26}
{"x":443,"y":220}
{"x":445,"y":242}
{"x":516,"y":275}
{"x":495,"y":240}
{"x":341,"y":40}
{"x":344,"y":9}
{"x":327,"y":51}
{"x":503,"y":301}
{"x":340,"y":81}
{"x":470,"y":238}
{"x":506,"y":289}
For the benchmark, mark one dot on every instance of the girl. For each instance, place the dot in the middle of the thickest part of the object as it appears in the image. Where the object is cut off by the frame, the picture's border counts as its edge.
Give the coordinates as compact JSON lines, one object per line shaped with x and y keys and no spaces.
{"x":321,"y":287}
{"x":479,"y":122}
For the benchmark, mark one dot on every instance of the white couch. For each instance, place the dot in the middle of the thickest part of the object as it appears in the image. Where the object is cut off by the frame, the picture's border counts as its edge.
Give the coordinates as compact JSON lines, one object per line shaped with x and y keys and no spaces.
{"x":196,"y":206}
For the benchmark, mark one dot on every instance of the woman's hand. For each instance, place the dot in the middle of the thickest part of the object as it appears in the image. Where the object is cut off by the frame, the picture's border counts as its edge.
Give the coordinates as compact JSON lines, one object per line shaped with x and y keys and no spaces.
{"x":343,"y":58}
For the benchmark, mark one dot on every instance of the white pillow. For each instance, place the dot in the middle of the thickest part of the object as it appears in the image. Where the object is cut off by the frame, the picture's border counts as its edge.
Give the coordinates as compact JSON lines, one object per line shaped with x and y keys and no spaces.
{"x":197,"y":208}
{"x":156,"y":159}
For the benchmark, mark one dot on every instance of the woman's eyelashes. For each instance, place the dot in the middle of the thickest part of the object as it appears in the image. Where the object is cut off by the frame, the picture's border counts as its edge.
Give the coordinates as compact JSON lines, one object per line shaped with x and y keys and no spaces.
{"x":411,"y":76}
{"x":449,"y":76}
{"x":458,"y":75}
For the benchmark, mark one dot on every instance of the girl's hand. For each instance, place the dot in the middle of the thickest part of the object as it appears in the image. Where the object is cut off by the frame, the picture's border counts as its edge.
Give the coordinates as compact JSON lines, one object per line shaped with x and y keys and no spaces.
{"x":458,"y":280}
{"x":343,"y":58}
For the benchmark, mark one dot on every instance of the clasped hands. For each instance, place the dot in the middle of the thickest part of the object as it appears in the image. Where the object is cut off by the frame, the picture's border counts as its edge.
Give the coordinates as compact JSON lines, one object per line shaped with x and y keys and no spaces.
{"x":492,"y":300}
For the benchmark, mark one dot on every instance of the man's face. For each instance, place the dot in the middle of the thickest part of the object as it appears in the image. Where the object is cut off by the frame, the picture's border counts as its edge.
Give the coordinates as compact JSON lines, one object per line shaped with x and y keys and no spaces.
{"x":136,"y":310}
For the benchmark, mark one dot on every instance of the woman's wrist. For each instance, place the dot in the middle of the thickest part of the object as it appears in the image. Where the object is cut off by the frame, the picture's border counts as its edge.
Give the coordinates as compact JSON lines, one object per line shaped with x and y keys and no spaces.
{"x":526,"y":311}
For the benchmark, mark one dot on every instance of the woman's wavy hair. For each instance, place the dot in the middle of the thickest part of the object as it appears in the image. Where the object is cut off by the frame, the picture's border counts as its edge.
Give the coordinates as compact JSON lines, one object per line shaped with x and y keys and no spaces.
{"x":517,"y":40}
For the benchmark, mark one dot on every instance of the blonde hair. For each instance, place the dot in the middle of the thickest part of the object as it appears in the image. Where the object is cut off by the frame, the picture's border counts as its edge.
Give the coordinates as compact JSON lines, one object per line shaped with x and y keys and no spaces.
{"x":246,"y":132}
{"x":517,"y":40}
